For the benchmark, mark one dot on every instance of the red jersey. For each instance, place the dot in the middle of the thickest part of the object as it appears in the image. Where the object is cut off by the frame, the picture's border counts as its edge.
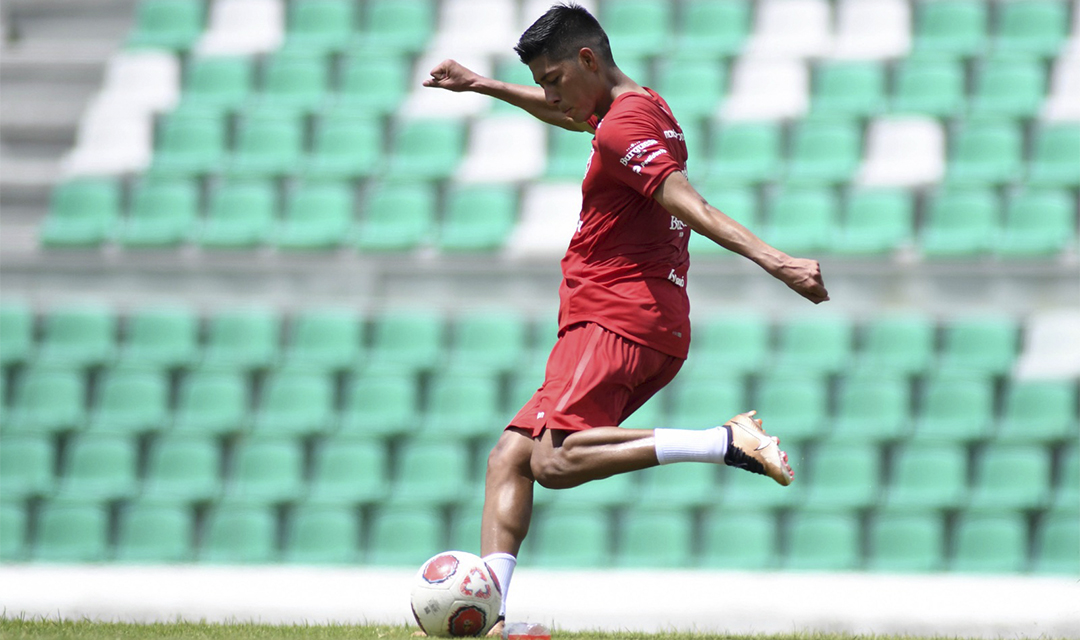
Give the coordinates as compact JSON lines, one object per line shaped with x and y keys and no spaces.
{"x":626,"y":265}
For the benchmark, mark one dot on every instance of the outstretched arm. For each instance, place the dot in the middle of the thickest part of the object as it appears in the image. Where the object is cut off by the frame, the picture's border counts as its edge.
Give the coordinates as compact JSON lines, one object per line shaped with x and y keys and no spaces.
{"x":453,"y":76}
{"x":681,"y":200}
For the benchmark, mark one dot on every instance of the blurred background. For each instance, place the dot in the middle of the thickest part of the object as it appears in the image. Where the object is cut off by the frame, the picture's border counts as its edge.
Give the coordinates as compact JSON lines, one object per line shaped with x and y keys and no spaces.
{"x":266,"y":300}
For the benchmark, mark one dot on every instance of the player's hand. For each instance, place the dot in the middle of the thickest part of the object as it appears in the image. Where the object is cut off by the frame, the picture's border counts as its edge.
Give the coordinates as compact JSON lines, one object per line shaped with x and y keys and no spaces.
{"x":451,"y":75}
{"x":804,"y":278}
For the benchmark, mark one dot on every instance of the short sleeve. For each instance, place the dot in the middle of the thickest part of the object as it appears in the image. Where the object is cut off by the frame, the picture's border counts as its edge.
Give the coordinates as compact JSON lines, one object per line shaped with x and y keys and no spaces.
{"x":638,"y":150}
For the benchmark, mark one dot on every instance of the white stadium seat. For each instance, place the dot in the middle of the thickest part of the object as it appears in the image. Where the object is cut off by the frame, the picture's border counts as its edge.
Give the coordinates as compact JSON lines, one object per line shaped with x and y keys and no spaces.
{"x":767,"y":89}
{"x":549,"y":215}
{"x":872,"y":29}
{"x":792,"y":28}
{"x":1063,"y":100}
{"x":147,"y":78}
{"x":504,"y":148}
{"x":489,"y":26}
{"x":903,"y":152}
{"x":240,"y":27}
{"x":425,"y":102}
{"x":115,"y":137}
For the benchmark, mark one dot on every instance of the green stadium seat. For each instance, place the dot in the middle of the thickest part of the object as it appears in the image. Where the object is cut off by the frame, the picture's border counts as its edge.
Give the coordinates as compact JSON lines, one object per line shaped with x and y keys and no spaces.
{"x":189,"y":144}
{"x":873,"y":408}
{"x":951,"y":27}
{"x":167,"y":24}
{"x":655,"y":539}
{"x":824,"y":151}
{"x":26,"y":466}
{"x":746,"y":152}
{"x":217,"y":83}
{"x":478,"y":218}
{"x":431,"y":473}
{"x":617,"y":490}
{"x":1038,"y":27}
{"x":319,"y":25}
{"x":802,"y":220}
{"x":1038,"y":411}
{"x":405,"y":537}
{"x":989,"y":543}
{"x":955,"y":409}
{"x":14,"y":541}
{"x":47,"y":401}
{"x":929,"y":87}
{"x":897,"y":343}
{"x":905,"y":542}
{"x":212,"y":402}
{"x":567,"y":153}
{"x":980,"y":345}
{"x":848,"y":89}
{"x":876,"y":222}
{"x":242,"y":338}
{"x":463,"y":405}
{"x":465,"y":525}
{"x":738,"y":202}
{"x":744,"y":490}
{"x":729,"y":344}
{"x":397,"y":217}
{"x":985,"y":153}
{"x":678,"y":485}
{"x":693,"y":88}
{"x":1011,"y":476}
{"x":293,"y":81}
{"x":637,"y":27}
{"x":16,"y":332}
{"x":1057,"y":544}
{"x":1008,"y":87}
{"x":321,"y":535}
{"x":372,"y":85}
{"x":130,"y":402}
{"x":155,"y":534}
{"x":823,"y":541}
{"x":702,"y":402}
{"x":78,"y":335}
{"x":569,"y":537}
{"x":404,"y":26}
{"x":239,"y":215}
{"x":380,"y":405}
{"x":163,"y":213}
{"x":268,"y":143}
{"x":295,"y":403}
{"x":1067,"y":483}
{"x":927,"y":476}
{"x":1039,"y":223}
{"x":318,"y":216}
{"x":345,"y":146}
{"x":239,"y":535}
{"x":348,"y":471}
{"x":99,"y":468}
{"x":712,"y":29}
{"x":427,"y":149}
{"x":324,"y":339}
{"x":407,"y":341}
{"x":487,"y":341}
{"x":1055,"y":160}
{"x":960,"y":223}
{"x":160,"y":338}
{"x":83,"y":212}
{"x":266,"y":471}
{"x":70,"y":532}
{"x":821,"y":344}
{"x":842,"y":475}
{"x":793,"y":407}
{"x":183,"y":468}
{"x":756,"y":533}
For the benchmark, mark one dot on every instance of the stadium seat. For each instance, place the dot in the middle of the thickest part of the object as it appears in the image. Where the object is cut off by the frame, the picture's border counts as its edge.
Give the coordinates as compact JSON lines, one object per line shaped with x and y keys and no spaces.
{"x":82,"y":213}
{"x":426,"y":149}
{"x":242,"y":338}
{"x":99,"y":468}
{"x":927,"y":476}
{"x":16,"y":332}
{"x":150,"y":533}
{"x":1054,"y":157}
{"x":678,"y":485}
{"x":955,"y":409}
{"x":397,"y":216}
{"x":712,"y":29}
{"x":240,"y":215}
{"x":487,"y":341}
{"x":1057,"y":544}
{"x":167,"y":24}
{"x":1037,"y":411}
{"x":824,"y":152}
{"x":478,"y":218}
{"x":729,"y":344}
{"x":876,"y":222}
{"x":905,"y":541}
{"x":952,"y":27}
{"x":319,"y":25}
{"x":465,"y":525}
{"x":1039,"y":223}
{"x":1038,"y":27}
{"x":841,"y":475}
{"x":794,"y":407}
{"x":130,"y":402}
{"x":848,"y":89}
{"x":295,"y":403}
{"x":269,"y":143}
{"x":821,"y":344}
{"x":897,"y":343}
{"x":693,"y":88}
{"x":266,"y":470}
{"x":239,"y":535}
{"x":1067,"y":483}
{"x":463,"y":405}
{"x":614,"y":491}
{"x":989,"y":543}
{"x":706,"y":399}
{"x":317,"y":216}
{"x":217,"y":83}
{"x":406,"y":341}
{"x":324,"y":339}
{"x":78,"y":335}
{"x":655,"y":539}
{"x":1011,"y":476}
{"x":349,"y":471}
{"x":874,"y":407}
{"x":47,"y":401}
{"x":71,"y":532}
{"x":929,"y":87}
{"x":346,"y":145}
{"x":431,"y":473}
{"x":160,"y":338}
{"x":183,"y":468}
{"x":1008,"y":87}
{"x":984,"y":153}
{"x":802,"y":220}
{"x":567,"y":537}
{"x":960,"y":223}
{"x":380,"y":405}
{"x":745,"y":152}
{"x":567,"y":153}
{"x":189,"y":144}
{"x":637,"y":27}
{"x":756,"y":533}
{"x":321,"y":535}
{"x":404,"y":536}
{"x":14,"y":541}
{"x":823,"y":541}
{"x":979,"y":345}
{"x":371,"y":85}
{"x":163,"y":213}
{"x":398,"y":25}
{"x":743,"y":490}
{"x":791,"y":29}
{"x":26,"y":466}
{"x":739,"y":202}
{"x":293,"y":81}
{"x":212,"y":402}
{"x":878,"y":30}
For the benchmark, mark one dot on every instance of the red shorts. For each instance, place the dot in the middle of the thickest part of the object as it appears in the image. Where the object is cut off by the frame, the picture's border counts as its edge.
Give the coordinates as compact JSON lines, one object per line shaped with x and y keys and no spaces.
{"x":594,"y":378}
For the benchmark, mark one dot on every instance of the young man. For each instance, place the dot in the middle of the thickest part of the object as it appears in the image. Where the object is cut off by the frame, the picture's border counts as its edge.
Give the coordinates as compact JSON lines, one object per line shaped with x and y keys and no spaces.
{"x":624,"y":326}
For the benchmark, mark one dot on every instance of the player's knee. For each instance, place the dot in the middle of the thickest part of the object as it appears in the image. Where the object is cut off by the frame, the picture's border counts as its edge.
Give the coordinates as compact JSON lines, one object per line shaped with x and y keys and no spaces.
{"x":510,"y":455}
{"x":552,"y":470}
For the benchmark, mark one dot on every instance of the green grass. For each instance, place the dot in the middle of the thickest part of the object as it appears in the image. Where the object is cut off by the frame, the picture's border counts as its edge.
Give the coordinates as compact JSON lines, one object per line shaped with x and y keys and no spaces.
{"x":34,"y":629}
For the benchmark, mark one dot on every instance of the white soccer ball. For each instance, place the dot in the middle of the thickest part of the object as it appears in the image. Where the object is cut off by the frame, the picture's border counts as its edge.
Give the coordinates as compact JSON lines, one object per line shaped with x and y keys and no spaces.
{"x":455,"y":595}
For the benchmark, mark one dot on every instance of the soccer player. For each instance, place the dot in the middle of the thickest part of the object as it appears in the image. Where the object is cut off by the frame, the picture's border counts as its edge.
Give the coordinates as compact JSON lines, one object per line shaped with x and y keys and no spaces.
{"x":624,"y":327}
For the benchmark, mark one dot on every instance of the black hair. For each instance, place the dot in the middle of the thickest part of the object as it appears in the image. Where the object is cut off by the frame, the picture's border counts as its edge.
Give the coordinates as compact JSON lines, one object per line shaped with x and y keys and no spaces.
{"x":561,"y":32}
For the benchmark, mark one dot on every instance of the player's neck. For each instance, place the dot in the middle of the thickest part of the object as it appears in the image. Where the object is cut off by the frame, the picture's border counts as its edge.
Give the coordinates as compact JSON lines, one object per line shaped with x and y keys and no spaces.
{"x":618,"y":83}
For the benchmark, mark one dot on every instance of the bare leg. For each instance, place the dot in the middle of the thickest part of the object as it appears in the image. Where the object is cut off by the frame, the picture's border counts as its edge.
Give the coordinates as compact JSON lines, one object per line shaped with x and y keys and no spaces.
{"x":508,"y":494}
{"x":564,"y":459}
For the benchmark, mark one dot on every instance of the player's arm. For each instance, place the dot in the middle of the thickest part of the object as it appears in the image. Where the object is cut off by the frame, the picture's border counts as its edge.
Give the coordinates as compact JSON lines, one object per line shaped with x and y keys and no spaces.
{"x":681,"y":200}
{"x":453,"y":76}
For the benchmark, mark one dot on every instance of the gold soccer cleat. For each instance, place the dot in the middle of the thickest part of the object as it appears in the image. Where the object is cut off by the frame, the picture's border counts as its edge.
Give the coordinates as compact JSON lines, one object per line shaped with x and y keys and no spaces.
{"x":750,"y":448}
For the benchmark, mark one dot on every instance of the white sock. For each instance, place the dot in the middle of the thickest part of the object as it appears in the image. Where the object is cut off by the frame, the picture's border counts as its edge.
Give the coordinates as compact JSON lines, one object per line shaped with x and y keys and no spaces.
{"x":502,"y":564}
{"x":688,"y":445}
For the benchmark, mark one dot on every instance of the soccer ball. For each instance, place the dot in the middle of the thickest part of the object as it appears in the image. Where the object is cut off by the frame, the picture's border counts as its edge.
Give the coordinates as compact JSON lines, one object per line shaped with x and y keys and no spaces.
{"x":456,"y":594}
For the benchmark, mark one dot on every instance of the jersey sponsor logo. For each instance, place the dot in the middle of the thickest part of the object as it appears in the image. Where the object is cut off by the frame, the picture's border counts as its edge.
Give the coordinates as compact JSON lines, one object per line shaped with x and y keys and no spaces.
{"x":676,"y":224}
{"x":636,"y":150}
{"x":678,"y":135}
{"x":677,"y":279}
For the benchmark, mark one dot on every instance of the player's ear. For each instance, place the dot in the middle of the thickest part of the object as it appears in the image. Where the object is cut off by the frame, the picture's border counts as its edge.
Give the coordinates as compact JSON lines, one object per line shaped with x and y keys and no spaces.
{"x":587,"y":58}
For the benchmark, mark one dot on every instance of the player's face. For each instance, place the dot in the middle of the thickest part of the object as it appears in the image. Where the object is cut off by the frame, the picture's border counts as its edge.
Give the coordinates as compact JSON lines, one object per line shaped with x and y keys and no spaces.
{"x":567,"y":84}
